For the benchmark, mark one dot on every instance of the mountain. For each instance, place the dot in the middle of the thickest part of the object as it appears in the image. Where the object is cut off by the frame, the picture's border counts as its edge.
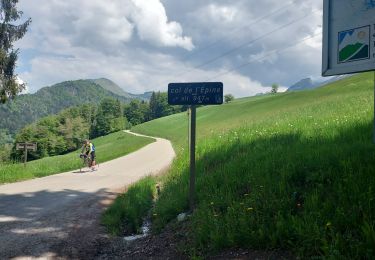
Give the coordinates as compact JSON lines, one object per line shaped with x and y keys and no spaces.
{"x":302,"y":84}
{"x":334,"y":79}
{"x":308,"y":83}
{"x":111,"y":86}
{"x":27,"y":108}
{"x":116,"y":89}
{"x":145,"y":96}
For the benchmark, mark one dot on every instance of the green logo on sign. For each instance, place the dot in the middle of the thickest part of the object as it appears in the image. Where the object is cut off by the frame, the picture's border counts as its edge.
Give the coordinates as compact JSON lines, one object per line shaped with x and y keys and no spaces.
{"x":354,"y":45}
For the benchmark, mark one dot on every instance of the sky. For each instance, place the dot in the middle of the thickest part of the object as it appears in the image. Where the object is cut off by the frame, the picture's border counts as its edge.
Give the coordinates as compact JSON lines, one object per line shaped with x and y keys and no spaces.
{"x":142,"y":45}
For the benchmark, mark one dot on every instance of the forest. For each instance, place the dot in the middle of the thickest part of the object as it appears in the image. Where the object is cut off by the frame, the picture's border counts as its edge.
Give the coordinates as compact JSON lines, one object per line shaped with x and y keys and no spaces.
{"x":28,"y":108}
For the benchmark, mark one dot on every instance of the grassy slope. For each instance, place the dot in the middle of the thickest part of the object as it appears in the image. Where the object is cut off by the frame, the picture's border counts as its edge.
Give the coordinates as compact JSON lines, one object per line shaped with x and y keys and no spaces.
{"x":293,"y":170}
{"x":125,"y":215}
{"x":251,"y":111}
{"x":107,"y":148}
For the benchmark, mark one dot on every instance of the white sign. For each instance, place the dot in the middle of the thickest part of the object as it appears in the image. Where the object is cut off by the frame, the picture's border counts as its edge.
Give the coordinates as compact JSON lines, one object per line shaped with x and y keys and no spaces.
{"x":29,"y":146}
{"x":348,"y":36}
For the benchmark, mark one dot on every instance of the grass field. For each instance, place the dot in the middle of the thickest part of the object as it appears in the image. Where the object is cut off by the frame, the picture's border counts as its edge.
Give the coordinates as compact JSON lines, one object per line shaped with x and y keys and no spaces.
{"x":125,"y":215}
{"x":292,"y":171}
{"x":107,"y":148}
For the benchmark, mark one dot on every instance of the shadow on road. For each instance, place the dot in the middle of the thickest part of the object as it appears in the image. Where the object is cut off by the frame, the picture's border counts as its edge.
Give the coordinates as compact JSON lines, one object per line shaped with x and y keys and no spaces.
{"x":51,"y":224}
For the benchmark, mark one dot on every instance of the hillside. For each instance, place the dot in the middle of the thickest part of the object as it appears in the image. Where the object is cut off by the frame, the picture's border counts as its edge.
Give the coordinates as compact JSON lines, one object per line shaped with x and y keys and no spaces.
{"x":308,"y":83}
{"x":116,"y":89}
{"x":292,"y":171}
{"x":111,"y":86}
{"x":302,"y":84}
{"x":248,"y":111}
{"x":28,"y":108}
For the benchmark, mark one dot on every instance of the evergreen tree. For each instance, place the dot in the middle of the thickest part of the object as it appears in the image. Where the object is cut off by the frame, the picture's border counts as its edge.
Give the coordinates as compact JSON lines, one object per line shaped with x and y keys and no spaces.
{"x":109,"y":118}
{"x":145,"y":110}
{"x":134,"y":112}
{"x":9,"y":33}
{"x":159,"y":106}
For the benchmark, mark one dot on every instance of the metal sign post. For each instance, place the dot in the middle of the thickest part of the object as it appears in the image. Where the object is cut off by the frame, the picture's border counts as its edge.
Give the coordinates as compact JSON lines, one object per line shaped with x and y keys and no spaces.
{"x":193,"y":111}
{"x":373,"y":138}
{"x":25,"y":147}
{"x":193,"y":94}
{"x":188,"y":133}
{"x":25,"y":155}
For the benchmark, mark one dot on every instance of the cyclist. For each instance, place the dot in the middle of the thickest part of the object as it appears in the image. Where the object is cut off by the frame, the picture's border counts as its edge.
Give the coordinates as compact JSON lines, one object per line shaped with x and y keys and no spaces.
{"x":88,"y":148}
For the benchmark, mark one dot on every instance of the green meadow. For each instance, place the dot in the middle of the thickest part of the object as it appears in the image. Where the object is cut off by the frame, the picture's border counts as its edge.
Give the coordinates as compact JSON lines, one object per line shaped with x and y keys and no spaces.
{"x":125,"y":215}
{"x":107,"y":148}
{"x":292,"y":171}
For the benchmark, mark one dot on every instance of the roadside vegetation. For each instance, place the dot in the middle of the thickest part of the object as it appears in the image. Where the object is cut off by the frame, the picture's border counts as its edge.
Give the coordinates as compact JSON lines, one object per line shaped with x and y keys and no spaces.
{"x":64,"y":132}
{"x":293,"y":171}
{"x":125,"y":216}
{"x":107,"y":148}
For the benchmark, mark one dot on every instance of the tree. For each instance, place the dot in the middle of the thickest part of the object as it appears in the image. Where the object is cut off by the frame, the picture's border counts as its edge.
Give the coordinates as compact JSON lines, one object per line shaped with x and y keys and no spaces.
{"x":9,"y":33}
{"x":159,"y":106}
{"x":274,"y":88}
{"x":134,"y":113}
{"x":109,"y":119}
{"x":228,"y":98}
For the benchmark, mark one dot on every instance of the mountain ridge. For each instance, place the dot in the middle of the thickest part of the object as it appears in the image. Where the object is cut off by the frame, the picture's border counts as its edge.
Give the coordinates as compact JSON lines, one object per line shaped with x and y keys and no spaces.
{"x":308,"y":83}
{"x":27,"y":108}
{"x":116,"y":89}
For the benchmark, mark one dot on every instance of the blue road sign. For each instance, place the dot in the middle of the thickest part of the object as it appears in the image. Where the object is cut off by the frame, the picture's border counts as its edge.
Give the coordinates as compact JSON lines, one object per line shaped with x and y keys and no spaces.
{"x":200,"y":93}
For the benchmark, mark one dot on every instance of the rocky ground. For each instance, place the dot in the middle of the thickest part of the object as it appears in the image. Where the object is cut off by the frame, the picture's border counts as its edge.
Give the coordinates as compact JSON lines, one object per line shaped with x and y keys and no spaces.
{"x":171,"y":243}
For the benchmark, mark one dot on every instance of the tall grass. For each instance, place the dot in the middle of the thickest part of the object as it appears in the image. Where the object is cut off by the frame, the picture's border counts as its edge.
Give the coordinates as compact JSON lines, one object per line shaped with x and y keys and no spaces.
{"x":125,"y":215}
{"x":107,"y":148}
{"x":292,"y":171}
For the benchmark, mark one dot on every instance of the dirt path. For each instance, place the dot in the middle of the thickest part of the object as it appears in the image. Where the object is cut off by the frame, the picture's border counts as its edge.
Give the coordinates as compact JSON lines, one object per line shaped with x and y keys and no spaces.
{"x":58,"y":216}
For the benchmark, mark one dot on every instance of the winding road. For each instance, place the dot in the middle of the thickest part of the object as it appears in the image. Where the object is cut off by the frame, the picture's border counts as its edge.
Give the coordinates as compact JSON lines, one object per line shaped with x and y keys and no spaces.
{"x":59,"y":216}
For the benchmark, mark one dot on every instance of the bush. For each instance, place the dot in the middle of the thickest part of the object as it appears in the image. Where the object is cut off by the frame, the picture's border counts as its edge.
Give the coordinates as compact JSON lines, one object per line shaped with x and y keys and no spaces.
{"x":228,"y":98}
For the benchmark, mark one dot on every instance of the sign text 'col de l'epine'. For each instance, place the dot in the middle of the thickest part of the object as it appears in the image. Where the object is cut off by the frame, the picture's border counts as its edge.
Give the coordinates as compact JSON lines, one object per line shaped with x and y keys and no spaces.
{"x":198,"y":93}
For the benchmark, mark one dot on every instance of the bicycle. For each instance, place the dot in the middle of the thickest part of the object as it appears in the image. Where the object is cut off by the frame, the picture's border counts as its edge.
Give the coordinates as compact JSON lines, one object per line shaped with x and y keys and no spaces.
{"x":86,"y":161}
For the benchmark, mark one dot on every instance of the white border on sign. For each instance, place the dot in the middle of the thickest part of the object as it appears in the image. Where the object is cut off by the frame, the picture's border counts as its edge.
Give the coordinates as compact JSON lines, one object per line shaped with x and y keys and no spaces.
{"x":326,"y":70}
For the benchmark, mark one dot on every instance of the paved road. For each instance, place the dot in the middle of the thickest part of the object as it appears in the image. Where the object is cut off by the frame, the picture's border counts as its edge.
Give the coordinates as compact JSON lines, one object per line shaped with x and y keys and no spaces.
{"x":58,"y":216}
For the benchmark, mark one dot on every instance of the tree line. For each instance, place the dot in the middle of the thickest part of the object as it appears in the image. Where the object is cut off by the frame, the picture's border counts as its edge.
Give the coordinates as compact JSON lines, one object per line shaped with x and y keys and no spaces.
{"x":64,"y":132}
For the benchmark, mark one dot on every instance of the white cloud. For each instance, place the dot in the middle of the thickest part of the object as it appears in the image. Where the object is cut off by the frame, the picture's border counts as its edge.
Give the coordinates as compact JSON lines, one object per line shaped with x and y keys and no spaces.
{"x":20,"y":81}
{"x":221,"y":14}
{"x":141,"y":44}
{"x":152,"y":25}
{"x":104,"y":25}
{"x":264,"y":57}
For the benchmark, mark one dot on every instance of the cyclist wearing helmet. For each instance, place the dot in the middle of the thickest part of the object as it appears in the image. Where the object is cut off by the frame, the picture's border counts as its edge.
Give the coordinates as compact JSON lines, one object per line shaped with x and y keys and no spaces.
{"x":88,"y":148}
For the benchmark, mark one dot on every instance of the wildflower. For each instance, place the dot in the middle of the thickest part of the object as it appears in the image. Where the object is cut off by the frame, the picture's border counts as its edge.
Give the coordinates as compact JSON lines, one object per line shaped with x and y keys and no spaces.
{"x":249,"y":209}
{"x":328,"y":225}
{"x":246,"y":194}
{"x":241,"y":203}
{"x":155,"y":214}
{"x":216,"y":215}
{"x":298,"y":204}
{"x":212,"y":203}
